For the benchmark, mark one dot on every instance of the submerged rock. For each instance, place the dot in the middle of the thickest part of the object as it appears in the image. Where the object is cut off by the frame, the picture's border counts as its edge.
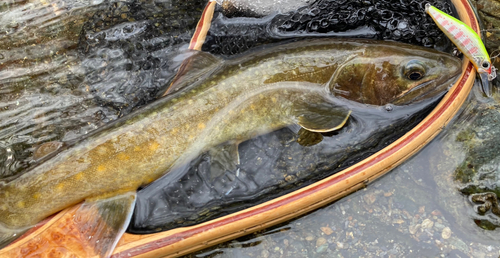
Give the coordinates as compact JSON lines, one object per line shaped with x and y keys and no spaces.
{"x":472,"y":145}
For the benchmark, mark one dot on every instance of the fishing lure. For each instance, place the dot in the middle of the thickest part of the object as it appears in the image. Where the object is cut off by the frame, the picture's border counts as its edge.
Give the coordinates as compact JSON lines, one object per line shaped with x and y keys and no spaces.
{"x":468,"y":42}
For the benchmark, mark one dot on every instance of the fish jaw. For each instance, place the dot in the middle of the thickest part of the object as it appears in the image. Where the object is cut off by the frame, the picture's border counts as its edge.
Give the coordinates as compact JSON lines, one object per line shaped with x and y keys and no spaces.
{"x":395,"y":73}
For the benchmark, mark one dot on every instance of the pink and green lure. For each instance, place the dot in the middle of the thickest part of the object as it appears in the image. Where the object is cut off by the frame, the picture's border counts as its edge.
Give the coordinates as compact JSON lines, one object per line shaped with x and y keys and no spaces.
{"x":468,"y":42}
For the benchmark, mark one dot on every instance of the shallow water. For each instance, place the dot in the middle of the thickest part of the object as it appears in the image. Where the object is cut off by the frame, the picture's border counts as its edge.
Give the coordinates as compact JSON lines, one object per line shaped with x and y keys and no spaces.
{"x":54,"y":89}
{"x":416,"y":210}
{"x":67,"y":67}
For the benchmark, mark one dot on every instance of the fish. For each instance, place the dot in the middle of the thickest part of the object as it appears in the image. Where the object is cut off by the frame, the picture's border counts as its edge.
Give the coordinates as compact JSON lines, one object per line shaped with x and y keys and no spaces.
{"x":311,"y":83}
{"x":468,"y":42}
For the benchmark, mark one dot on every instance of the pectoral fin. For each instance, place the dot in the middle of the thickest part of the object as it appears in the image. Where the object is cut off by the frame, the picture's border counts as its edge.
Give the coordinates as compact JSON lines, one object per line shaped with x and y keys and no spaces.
{"x":322,"y":117}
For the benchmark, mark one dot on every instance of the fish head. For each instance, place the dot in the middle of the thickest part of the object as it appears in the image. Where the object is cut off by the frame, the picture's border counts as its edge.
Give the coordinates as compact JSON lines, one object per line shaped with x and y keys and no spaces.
{"x":396,"y":73}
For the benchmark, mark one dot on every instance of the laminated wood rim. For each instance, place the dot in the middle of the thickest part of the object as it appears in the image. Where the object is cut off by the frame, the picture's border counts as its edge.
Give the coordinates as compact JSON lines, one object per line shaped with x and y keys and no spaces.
{"x":184,"y":240}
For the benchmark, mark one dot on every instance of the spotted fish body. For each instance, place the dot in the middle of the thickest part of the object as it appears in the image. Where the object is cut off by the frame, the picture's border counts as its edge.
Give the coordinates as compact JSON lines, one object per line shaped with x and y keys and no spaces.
{"x":233,"y":100}
{"x":467,"y":41}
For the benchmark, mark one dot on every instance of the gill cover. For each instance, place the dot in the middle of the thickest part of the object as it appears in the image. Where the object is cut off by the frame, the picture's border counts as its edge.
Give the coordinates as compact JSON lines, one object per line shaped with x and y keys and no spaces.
{"x":390,"y":74}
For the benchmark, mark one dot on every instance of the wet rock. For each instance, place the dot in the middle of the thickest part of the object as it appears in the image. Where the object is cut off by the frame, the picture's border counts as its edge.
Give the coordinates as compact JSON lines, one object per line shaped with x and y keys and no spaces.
{"x":427,"y":223}
{"x":486,"y":202}
{"x":320,"y":241}
{"x":446,"y":233}
{"x":414,"y":228}
{"x":439,"y":226}
{"x":328,"y":231}
{"x":322,"y":248}
{"x":489,"y":12}
{"x":369,"y":199}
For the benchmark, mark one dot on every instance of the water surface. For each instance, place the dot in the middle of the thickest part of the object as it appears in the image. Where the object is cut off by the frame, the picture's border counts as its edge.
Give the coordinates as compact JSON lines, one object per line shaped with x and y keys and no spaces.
{"x":54,"y":88}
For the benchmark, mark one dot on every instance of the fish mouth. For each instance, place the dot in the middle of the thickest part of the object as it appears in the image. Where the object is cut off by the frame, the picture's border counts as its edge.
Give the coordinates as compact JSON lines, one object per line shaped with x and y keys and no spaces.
{"x":436,"y":90}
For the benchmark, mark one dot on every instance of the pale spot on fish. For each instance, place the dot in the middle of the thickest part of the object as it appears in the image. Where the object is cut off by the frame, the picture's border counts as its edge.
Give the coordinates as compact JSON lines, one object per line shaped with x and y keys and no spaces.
{"x":79,"y":176}
{"x":190,"y":102}
{"x":37,"y":196}
{"x":122,"y":156}
{"x":137,"y":148}
{"x":201,"y":126}
{"x":231,"y":112}
{"x":174,"y":131}
{"x":20,"y":204}
{"x":252,"y":106}
{"x":273,"y":99}
{"x":154,"y":146}
{"x":101,"y":168}
{"x":60,"y":186}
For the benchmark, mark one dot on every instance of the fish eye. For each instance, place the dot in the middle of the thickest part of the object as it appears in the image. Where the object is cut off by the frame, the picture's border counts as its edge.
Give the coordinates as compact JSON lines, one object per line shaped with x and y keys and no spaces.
{"x":485,"y":64}
{"x":414,"y":70}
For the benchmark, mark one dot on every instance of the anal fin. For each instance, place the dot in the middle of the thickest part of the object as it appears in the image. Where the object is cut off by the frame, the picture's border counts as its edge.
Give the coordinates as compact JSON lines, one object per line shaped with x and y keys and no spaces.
{"x":89,"y":229}
{"x":224,"y":157}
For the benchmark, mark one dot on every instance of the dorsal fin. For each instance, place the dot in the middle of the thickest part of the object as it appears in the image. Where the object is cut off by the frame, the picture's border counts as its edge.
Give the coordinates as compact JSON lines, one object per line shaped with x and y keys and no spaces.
{"x":190,"y":67}
{"x":194,"y":68}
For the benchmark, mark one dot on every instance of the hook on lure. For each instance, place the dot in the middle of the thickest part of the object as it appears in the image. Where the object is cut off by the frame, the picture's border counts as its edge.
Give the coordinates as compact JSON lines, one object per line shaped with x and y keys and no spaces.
{"x":468,"y":42}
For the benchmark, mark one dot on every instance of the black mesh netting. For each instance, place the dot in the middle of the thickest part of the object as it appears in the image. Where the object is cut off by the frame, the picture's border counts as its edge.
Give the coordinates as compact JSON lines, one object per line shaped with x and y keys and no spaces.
{"x":130,"y":49}
{"x":402,"y":20}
